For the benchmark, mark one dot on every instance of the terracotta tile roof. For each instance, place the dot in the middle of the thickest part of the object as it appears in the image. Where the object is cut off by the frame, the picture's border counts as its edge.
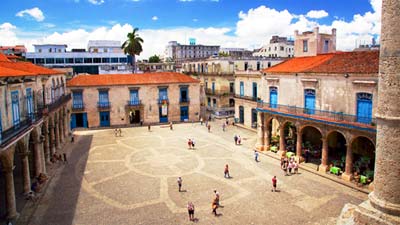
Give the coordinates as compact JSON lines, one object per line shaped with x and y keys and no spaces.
{"x":28,"y":68}
{"x":7,"y":72}
{"x":3,"y":58}
{"x":130,"y":79}
{"x":339,"y":62}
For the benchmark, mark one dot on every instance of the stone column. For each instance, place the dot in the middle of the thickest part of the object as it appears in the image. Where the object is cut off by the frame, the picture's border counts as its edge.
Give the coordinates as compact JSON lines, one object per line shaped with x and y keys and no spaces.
{"x":57,"y":136}
{"x":348,"y":171}
{"x":25,"y":172}
{"x":260,"y":132}
{"x":42,"y":155}
{"x":37,"y":157}
{"x":52,"y":140}
{"x":267,"y":140}
{"x":386,"y":194}
{"x":324,"y":160}
{"x":282,"y":149}
{"x":11,"y":206}
{"x":299,"y":141}
{"x":46,"y":143}
{"x":66,"y":125}
{"x":61,"y":132}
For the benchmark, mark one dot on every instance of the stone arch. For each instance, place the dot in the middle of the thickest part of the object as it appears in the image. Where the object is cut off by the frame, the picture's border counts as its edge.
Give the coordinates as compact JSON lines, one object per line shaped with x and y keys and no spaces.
{"x":290,"y":134}
{"x":363,"y":151}
{"x":311,"y":137}
{"x":337,"y":147}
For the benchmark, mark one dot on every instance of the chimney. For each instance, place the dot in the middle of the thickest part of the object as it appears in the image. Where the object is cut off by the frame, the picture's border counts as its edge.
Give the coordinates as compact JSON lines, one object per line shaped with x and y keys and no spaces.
{"x":334,"y":31}
{"x":316,"y":30}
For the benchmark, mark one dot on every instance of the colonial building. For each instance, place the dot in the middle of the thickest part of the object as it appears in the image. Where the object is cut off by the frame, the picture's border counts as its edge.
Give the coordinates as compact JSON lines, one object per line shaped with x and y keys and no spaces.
{"x":33,"y":125}
{"x":218,"y":80}
{"x":323,"y":106}
{"x":312,"y":43}
{"x":145,"y":67}
{"x":101,"y":57}
{"x":124,"y":99}
{"x":278,"y":47}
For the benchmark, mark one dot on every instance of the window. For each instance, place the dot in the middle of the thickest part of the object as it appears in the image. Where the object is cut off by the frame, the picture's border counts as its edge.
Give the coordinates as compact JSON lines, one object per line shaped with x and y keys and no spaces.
{"x":364,"y":108}
{"x":123,"y":60}
{"x":258,"y":66}
{"x":105,"y":50}
{"x":184,"y":94}
{"x":305,"y":46}
{"x":39,"y":61}
{"x":78,"y":60}
{"x":29,"y":102}
{"x":231,"y":87}
{"x":326,"y":46}
{"x":246,"y":65}
{"x":134,"y":97}
{"x":114,"y":60}
{"x":105,"y":60}
{"x":50,"y":49}
{"x":88,"y":60}
{"x":206,"y":85}
{"x":241,"y":89}
{"x":49,"y":61}
{"x":40,"y":50}
{"x":309,"y":101}
{"x":15,"y":107}
{"x":254,"y":91}
{"x":282,"y":48}
{"x":77,"y":100}
{"x":96,"y":60}
{"x":103,"y":98}
{"x":209,"y":101}
{"x":273,"y":97}
{"x":69,"y":60}
{"x":59,"y":60}
{"x":214,"y":102}
{"x":163,"y":94}
{"x":213,"y":87}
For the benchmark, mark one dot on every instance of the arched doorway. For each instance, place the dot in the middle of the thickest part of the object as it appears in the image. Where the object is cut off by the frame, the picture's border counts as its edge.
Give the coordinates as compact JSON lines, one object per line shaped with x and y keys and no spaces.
{"x":290,"y":136}
{"x":273,"y":125}
{"x":337,"y":149}
{"x":363,"y":158}
{"x":312,"y":145}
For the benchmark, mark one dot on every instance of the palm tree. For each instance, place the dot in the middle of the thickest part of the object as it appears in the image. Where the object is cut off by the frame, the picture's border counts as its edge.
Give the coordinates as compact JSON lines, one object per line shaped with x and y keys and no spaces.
{"x":133,"y":46}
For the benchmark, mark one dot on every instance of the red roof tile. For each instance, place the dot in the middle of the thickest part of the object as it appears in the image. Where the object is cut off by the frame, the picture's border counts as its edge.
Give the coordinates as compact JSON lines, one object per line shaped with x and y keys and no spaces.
{"x":339,"y":62}
{"x":29,"y":68}
{"x":3,"y":58}
{"x":7,"y":72}
{"x":130,"y":79}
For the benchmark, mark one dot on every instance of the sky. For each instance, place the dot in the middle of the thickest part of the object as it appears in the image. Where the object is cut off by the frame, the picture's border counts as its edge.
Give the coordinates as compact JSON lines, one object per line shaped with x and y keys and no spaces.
{"x":228,"y":23}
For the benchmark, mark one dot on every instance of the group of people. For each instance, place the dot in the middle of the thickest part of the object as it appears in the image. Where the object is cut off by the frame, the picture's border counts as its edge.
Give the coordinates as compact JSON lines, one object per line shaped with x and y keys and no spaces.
{"x":191,"y":143}
{"x":289,"y":165}
{"x":238,"y":139}
{"x":118,"y":132}
{"x":58,"y":157}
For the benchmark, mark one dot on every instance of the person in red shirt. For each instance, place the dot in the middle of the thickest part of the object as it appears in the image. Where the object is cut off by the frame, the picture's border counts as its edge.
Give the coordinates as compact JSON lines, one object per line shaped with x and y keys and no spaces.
{"x":226,"y":171}
{"x":274,"y":181}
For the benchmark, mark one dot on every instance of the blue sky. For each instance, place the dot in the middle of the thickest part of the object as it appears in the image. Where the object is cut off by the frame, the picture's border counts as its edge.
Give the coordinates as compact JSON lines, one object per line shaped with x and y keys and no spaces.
{"x":232,"y":22}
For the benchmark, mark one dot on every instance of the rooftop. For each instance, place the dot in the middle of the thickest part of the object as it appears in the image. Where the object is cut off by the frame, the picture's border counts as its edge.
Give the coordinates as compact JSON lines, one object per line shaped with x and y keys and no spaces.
{"x":339,"y":62}
{"x":130,"y":79}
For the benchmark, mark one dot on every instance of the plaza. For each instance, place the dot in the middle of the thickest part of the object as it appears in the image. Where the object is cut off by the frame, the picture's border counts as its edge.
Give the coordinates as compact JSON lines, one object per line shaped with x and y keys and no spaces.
{"x":132,"y":179}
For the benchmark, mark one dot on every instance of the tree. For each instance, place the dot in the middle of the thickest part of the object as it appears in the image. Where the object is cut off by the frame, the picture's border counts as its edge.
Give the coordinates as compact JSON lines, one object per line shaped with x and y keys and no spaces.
{"x":133,"y":46}
{"x":154,"y":59}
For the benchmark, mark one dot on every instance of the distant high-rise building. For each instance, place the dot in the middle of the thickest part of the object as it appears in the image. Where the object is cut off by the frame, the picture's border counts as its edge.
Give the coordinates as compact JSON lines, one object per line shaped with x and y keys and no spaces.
{"x":278,"y":47}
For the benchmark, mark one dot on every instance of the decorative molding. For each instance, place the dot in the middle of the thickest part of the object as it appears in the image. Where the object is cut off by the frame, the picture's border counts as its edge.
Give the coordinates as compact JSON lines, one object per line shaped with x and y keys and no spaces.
{"x":365,"y":82}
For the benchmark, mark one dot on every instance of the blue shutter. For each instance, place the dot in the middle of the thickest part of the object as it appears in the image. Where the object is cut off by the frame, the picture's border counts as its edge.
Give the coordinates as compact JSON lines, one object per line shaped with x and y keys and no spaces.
{"x":213,"y":87}
{"x":134,"y":97}
{"x":364,"y":108}
{"x":254,"y":91}
{"x":15,"y":107}
{"x":73,"y":121}
{"x":241,"y":88}
{"x":309,"y":101}
{"x":273,"y":97}
{"x":29,"y":102}
{"x":85,"y":122}
{"x":77,"y":100}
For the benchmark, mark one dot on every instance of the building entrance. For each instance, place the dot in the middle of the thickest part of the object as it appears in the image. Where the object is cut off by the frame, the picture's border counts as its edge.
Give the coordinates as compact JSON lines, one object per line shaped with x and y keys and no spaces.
{"x":79,"y":120}
{"x":134,"y":116}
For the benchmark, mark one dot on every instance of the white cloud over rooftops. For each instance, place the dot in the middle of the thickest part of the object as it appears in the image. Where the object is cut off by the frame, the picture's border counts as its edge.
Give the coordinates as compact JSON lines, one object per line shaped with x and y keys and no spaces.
{"x":35,"y":13}
{"x":317,"y":14}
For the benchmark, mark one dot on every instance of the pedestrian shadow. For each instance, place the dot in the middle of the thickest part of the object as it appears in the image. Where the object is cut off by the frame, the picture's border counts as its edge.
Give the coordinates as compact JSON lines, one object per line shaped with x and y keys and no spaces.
{"x":276,"y":190}
{"x":219,"y":214}
{"x":183,"y":191}
{"x":195,"y":220}
{"x":229,"y":177}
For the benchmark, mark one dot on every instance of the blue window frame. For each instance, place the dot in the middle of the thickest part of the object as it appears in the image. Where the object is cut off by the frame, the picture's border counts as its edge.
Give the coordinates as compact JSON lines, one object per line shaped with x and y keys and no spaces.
{"x":309,"y":101}
{"x":134,"y":97}
{"x":254,"y":91}
{"x":15,"y":107}
{"x":364,"y":108}
{"x":29,"y":102}
{"x":273,"y":97}
{"x":77,"y":100}
{"x":241,"y":114}
{"x":184,"y":113}
{"x":213,"y":87}
{"x":104,"y":119}
{"x":103,"y":99}
{"x":184,"y":95}
{"x":241,"y":88}
{"x":163,"y":94}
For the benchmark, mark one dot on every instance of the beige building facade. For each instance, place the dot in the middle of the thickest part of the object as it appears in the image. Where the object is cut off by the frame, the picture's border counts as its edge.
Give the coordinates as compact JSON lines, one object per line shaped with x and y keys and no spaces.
{"x":123,"y":100}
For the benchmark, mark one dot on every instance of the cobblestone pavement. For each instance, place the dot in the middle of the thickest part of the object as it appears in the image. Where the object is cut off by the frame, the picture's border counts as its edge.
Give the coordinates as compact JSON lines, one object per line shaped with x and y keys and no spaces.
{"x":132,"y":180}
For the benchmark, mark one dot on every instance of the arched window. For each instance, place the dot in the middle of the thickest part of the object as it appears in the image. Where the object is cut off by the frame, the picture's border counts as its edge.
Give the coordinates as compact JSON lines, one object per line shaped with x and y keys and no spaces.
{"x":273,"y":97}
{"x":309,"y":101}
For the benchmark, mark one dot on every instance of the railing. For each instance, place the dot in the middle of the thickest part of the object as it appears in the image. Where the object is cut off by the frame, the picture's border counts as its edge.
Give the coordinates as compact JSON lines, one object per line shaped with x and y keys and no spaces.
{"x":163,"y":100}
{"x":134,"y":102}
{"x":59,"y":102}
{"x":317,"y":114}
{"x":20,"y":128}
{"x":250,"y":98}
{"x":78,"y":106}
{"x":184,"y":100}
{"x":103,"y":105}
{"x":209,"y":91}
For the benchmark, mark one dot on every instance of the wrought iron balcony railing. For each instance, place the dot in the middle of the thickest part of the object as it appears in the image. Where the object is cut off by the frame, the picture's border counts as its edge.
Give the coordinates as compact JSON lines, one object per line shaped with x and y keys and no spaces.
{"x":134,"y":102}
{"x":57,"y":103}
{"x":327,"y":116}
{"x":184,"y":100}
{"x":78,"y":106}
{"x":103,"y":105}
{"x":163,"y":101}
{"x":250,"y":98}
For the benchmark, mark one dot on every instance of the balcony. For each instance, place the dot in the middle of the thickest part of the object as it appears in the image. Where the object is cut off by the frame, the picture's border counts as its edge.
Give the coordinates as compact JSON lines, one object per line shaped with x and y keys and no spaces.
{"x":20,"y":129}
{"x":57,"y":103}
{"x":209,"y":91}
{"x":78,"y":106}
{"x":327,"y":117}
{"x":249,"y":98}
{"x":184,"y":100}
{"x":134,"y":102}
{"x":103,"y":106}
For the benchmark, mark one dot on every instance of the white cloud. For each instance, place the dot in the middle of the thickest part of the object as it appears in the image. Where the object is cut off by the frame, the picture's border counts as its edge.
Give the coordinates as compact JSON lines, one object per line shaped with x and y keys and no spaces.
{"x":154,"y":18}
{"x":317,"y":14}
{"x":253,"y":28}
{"x":36,"y":13}
{"x":96,"y":2}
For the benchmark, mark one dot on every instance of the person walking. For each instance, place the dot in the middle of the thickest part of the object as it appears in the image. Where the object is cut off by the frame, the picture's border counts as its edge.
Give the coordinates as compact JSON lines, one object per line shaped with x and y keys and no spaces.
{"x":274,"y":181}
{"x":65,"y":158}
{"x":149,"y":128}
{"x":256,"y":155}
{"x":201,"y":121}
{"x":217,"y":197}
{"x":285,"y":167}
{"x":190,"y":208}
{"x":209,"y":128}
{"x":193,"y":143}
{"x":214,"y":206}
{"x":226,"y":171}
{"x":179,"y":181}
{"x":236,"y":139}
{"x":223,"y":127}
{"x":190,"y":143}
{"x":170,"y":126}
{"x":239,"y":140}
